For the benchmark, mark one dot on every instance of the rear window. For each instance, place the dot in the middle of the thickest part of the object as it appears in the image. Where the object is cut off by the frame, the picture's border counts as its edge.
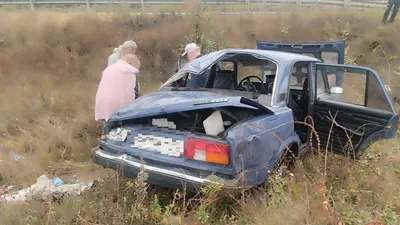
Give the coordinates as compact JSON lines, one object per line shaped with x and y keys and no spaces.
{"x":330,"y":57}
{"x":326,"y":57}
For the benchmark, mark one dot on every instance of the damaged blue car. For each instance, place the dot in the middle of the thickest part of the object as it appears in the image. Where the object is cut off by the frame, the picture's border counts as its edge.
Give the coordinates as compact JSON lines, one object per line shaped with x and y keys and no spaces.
{"x":229,"y":116}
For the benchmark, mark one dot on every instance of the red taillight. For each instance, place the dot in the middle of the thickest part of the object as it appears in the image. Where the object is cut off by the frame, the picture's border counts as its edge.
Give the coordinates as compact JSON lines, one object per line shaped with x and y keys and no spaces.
{"x":207,"y":151}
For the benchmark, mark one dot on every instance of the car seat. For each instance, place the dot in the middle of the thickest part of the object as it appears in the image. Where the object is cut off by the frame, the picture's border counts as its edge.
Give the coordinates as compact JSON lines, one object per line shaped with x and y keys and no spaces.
{"x":297,"y":111}
{"x":304,"y":98}
{"x":225,"y":79}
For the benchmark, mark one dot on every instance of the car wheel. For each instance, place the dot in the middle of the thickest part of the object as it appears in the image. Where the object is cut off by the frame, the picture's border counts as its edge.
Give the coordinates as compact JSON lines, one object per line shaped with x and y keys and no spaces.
{"x":286,"y":163}
{"x":284,"y":166}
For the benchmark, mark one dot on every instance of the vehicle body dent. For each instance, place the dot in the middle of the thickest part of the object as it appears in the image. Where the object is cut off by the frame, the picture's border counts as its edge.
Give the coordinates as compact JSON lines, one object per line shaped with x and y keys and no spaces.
{"x":254,"y":144}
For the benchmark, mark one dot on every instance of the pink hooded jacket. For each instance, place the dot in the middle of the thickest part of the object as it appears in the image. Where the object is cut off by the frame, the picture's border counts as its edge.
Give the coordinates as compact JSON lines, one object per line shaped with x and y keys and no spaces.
{"x":116,"y":89}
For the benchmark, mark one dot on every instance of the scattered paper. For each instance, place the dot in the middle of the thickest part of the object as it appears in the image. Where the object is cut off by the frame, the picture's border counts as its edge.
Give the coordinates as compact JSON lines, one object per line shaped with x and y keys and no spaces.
{"x":43,"y":188}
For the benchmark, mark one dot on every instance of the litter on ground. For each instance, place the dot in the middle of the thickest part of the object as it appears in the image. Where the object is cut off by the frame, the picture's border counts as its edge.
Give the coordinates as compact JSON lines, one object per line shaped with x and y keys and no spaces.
{"x":44,"y":188}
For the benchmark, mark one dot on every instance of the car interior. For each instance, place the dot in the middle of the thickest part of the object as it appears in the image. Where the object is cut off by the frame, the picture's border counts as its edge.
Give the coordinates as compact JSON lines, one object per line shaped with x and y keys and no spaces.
{"x":239,"y":75}
{"x":248,"y":76}
{"x":299,"y":96}
{"x":243,"y":72}
{"x":261,"y":81}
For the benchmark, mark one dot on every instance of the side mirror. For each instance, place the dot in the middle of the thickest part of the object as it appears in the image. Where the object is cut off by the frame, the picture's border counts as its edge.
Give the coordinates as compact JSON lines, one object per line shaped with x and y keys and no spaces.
{"x":336,"y":90}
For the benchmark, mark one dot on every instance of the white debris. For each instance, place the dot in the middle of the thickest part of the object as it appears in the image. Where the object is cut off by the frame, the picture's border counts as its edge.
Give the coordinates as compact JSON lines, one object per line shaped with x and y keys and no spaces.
{"x":214,"y":124}
{"x":171,"y":125}
{"x":5,"y":189}
{"x":159,"y":122}
{"x":227,"y":123}
{"x":44,"y":187}
{"x":118,"y":134}
{"x":163,"y":122}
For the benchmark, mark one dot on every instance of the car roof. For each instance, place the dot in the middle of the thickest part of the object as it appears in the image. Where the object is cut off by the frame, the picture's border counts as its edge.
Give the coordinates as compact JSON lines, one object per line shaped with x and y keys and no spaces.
{"x":274,"y":55}
{"x":201,"y":63}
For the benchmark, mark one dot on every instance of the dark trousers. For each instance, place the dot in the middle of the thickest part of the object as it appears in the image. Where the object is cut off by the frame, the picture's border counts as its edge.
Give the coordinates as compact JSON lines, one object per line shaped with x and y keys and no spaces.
{"x":394,"y":12}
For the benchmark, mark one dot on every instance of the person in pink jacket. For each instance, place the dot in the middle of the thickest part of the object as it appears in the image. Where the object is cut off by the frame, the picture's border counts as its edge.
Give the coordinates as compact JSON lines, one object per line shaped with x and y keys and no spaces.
{"x":117,"y":86}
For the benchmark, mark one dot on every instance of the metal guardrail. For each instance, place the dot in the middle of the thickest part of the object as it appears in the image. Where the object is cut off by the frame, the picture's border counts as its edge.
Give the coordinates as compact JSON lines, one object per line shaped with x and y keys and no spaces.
{"x":298,"y":3}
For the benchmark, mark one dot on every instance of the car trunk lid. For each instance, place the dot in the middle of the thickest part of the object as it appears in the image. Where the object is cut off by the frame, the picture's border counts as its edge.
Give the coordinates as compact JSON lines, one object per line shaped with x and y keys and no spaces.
{"x":159,"y":103}
{"x":328,"y":52}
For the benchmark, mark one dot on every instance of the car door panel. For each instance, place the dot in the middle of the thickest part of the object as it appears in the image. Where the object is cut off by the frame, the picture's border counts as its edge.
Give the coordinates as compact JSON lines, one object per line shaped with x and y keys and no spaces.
{"x":355,"y":126}
{"x":351,"y":122}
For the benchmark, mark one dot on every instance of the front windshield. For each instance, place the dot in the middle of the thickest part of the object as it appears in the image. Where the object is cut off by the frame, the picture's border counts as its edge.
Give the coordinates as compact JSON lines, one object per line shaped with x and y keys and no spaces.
{"x":238,"y":74}
{"x":188,"y":79}
{"x":188,"y":74}
{"x":229,"y":71}
{"x":202,"y":62}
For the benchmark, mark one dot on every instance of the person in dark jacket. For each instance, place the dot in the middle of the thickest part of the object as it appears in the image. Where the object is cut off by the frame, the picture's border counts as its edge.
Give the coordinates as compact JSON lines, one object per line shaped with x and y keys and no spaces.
{"x":392,"y":4}
{"x":192,"y":52}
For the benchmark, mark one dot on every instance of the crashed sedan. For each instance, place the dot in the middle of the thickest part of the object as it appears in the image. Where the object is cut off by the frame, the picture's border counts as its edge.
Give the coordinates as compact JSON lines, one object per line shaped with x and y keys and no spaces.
{"x":210,"y":123}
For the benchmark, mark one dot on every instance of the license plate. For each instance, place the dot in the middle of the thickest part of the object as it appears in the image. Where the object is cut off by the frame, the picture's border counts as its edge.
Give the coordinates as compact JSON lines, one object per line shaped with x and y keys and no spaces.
{"x":163,"y":145}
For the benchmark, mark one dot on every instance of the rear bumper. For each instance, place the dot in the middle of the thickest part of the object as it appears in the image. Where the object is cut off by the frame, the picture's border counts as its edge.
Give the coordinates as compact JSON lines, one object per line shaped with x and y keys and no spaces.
{"x":157,"y":175}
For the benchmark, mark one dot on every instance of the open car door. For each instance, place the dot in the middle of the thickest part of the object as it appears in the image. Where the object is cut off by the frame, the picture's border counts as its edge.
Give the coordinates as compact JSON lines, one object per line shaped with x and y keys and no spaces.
{"x":351,"y":117}
{"x":327,"y":52}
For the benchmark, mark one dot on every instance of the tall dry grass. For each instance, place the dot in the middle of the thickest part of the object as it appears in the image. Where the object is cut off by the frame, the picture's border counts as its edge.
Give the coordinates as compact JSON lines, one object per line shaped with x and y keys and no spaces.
{"x":50,"y":66}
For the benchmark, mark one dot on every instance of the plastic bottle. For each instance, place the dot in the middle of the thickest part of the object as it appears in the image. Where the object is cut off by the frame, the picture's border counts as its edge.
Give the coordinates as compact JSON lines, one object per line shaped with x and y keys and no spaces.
{"x":57,"y":181}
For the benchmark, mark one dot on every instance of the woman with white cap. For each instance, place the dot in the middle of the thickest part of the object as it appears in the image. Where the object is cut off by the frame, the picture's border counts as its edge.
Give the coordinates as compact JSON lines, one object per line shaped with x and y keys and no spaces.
{"x":129,"y":47}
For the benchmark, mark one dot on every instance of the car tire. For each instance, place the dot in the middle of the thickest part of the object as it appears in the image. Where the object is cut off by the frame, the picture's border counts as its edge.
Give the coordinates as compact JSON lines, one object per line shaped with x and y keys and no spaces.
{"x":283,"y":167}
{"x":286,"y":163}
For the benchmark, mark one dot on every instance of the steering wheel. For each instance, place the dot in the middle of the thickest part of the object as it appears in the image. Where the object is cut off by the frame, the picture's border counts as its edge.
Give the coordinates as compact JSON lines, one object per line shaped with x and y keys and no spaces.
{"x":246,"y":85}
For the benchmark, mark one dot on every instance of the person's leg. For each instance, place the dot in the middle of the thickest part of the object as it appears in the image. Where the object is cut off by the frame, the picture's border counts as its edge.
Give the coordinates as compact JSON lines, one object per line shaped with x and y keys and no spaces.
{"x":137,"y":89}
{"x":394,"y":13}
{"x":387,"y":11}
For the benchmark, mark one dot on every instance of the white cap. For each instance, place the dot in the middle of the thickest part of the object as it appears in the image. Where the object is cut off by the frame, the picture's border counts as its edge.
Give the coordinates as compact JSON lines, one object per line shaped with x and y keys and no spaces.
{"x":190,"y":48}
{"x":129,"y":44}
